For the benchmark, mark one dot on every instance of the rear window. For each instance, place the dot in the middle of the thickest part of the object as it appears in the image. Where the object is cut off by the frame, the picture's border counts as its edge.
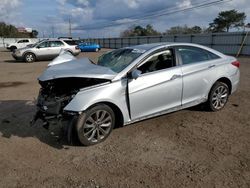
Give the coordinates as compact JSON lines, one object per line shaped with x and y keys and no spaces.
{"x":71,"y":42}
{"x":194,"y":55}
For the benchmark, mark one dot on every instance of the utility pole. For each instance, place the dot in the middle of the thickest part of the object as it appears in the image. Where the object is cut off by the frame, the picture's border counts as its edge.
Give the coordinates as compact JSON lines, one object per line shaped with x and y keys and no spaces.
{"x":53,"y":31}
{"x":70,"y":34}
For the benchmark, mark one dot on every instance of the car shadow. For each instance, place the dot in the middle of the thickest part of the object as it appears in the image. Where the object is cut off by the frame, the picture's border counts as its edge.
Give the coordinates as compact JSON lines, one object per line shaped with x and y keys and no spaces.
{"x":12,"y":61}
{"x":199,"y":108}
{"x":15,"y":121}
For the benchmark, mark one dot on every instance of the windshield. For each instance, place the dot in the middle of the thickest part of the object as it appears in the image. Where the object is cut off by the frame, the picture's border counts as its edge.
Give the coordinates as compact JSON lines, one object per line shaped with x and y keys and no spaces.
{"x":118,"y":60}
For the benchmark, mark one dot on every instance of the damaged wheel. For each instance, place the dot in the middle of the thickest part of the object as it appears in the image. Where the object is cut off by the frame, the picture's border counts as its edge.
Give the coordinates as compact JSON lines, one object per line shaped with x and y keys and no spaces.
{"x":95,"y":125}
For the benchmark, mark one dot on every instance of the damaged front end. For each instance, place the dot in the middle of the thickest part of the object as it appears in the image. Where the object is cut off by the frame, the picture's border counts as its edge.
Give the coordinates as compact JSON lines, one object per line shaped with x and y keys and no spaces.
{"x":55,"y":94}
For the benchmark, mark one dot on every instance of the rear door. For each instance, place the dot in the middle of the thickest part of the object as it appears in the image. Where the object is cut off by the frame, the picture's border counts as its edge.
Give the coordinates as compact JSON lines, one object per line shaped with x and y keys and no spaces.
{"x":159,"y":87}
{"x":55,"y":48}
{"x":198,"y":71}
{"x":42,"y":50}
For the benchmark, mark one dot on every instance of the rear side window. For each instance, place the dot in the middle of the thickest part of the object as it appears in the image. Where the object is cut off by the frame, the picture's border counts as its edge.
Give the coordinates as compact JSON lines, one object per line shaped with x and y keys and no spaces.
{"x":194,"y":55}
{"x":71,"y":42}
{"x":56,"y":43}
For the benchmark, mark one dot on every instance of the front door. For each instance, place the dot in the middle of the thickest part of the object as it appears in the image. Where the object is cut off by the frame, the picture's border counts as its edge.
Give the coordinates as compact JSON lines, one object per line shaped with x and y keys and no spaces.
{"x":158,"y":88}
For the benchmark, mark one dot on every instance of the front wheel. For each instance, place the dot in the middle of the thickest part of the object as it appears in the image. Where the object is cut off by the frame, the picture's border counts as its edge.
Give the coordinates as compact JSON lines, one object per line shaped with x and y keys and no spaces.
{"x":218,"y":96}
{"x":95,"y":125}
{"x":29,"y":57}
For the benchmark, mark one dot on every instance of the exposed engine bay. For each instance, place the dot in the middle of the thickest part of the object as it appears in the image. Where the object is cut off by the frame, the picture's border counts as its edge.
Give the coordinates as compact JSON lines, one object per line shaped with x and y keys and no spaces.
{"x":55,"y":94}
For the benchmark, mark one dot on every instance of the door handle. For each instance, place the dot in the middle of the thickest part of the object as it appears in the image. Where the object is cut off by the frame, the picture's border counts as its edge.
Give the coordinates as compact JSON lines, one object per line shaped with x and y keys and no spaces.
{"x":211,"y":66}
{"x":175,"y":76}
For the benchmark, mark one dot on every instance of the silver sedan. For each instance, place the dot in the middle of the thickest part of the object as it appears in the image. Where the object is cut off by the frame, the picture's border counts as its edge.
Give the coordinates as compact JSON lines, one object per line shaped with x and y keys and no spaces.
{"x":131,"y":84}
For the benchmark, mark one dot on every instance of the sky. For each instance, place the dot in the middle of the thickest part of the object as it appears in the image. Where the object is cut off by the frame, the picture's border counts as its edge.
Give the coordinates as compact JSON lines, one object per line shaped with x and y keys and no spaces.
{"x":51,"y":17}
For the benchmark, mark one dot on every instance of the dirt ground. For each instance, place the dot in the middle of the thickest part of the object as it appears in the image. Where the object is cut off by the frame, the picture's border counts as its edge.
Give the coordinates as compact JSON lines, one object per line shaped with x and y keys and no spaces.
{"x":189,"y":148}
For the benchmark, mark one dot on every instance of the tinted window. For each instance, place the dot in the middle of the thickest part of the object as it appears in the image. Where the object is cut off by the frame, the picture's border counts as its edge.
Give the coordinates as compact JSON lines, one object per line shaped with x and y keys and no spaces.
{"x":44,"y":44}
{"x":70,"y":42}
{"x":20,"y":41}
{"x":25,"y":41}
{"x":56,"y":43}
{"x":160,"y":61}
{"x":194,"y":55}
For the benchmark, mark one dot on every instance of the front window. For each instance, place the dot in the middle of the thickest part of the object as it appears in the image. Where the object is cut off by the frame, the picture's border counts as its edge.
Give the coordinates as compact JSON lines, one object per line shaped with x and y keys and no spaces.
{"x":118,"y":60}
{"x":159,"y":61}
{"x":44,"y":44}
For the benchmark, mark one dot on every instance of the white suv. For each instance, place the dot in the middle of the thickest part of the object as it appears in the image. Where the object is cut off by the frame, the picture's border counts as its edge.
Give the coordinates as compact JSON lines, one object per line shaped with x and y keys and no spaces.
{"x":18,"y":44}
{"x":46,"y":49}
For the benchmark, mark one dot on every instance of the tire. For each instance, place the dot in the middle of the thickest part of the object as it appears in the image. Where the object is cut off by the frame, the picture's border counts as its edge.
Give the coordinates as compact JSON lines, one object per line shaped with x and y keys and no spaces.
{"x":95,"y":125}
{"x":13,"y":48}
{"x":218,"y":96}
{"x":29,"y":57}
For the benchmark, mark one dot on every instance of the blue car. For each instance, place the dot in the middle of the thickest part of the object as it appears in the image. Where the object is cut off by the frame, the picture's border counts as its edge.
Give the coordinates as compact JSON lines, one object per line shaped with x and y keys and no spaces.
{"x":89,"y":47}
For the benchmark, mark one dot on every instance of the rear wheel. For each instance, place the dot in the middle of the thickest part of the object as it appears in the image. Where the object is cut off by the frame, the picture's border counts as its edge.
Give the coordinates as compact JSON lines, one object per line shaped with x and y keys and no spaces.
{"x":95,"y":125}
{"x":29,"y":57}
{"x":218,"y":96}
{"x":13,"y":48}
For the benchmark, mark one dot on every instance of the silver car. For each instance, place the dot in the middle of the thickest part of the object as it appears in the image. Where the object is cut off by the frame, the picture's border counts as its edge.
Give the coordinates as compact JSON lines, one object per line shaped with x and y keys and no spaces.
{"x":131,"y":84}
{"x":46,"y":50}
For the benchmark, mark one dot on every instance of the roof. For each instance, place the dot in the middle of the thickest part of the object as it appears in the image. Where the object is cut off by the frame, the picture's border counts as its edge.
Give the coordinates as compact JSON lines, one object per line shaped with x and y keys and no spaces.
{"x":150,"y":46}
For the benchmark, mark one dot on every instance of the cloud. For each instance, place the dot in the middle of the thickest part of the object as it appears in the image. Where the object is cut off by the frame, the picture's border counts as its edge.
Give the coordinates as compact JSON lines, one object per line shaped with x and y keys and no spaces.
{"x":92,"y":13}
{"x":8,"y":10}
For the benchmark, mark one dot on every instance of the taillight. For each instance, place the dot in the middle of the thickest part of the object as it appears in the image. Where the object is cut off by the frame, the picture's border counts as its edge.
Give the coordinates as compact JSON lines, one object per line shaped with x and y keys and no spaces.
{"x":236,"y":63}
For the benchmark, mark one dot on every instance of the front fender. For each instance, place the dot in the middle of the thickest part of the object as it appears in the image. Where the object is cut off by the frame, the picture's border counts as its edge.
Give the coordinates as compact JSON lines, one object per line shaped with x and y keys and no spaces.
{"x":114,"y":92}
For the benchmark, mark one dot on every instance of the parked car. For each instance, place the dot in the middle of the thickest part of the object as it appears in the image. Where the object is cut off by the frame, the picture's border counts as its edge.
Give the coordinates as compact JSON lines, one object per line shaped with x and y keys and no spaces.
{"x":19,"y":44}
{"x":89,"y":47}
{"x":132,"y":84}
{"x":46,"y":49}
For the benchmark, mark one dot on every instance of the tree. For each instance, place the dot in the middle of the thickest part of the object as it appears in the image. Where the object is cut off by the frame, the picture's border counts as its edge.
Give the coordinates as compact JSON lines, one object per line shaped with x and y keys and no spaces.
{"x":10,"y":31}
{"x":184,"y":30}
{"x":34,"y":34}
{"x":140,"y":31}
{"x":227,"y":20}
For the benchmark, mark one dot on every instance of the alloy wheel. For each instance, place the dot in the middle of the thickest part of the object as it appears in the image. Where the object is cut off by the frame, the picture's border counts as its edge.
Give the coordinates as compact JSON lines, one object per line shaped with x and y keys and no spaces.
{"x":219,"y":97}
{"x":97,"y":126}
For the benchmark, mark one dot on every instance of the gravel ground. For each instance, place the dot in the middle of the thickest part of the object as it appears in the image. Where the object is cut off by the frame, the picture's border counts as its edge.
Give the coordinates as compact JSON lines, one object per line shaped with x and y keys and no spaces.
{"x":189,"y":148}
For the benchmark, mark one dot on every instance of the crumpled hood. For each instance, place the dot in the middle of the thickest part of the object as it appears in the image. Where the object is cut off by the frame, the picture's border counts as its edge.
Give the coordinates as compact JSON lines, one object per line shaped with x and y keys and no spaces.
{"x":80,"y":68}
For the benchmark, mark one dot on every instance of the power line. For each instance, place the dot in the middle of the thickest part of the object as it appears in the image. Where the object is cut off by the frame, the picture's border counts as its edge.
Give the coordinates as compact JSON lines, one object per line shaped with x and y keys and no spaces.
{"x":163,"y":12}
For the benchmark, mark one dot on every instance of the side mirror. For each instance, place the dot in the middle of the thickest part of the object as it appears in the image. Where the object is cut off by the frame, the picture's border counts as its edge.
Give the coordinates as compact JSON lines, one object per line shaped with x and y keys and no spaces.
{"x":38,"y":47}
{"x":135,"y":74}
